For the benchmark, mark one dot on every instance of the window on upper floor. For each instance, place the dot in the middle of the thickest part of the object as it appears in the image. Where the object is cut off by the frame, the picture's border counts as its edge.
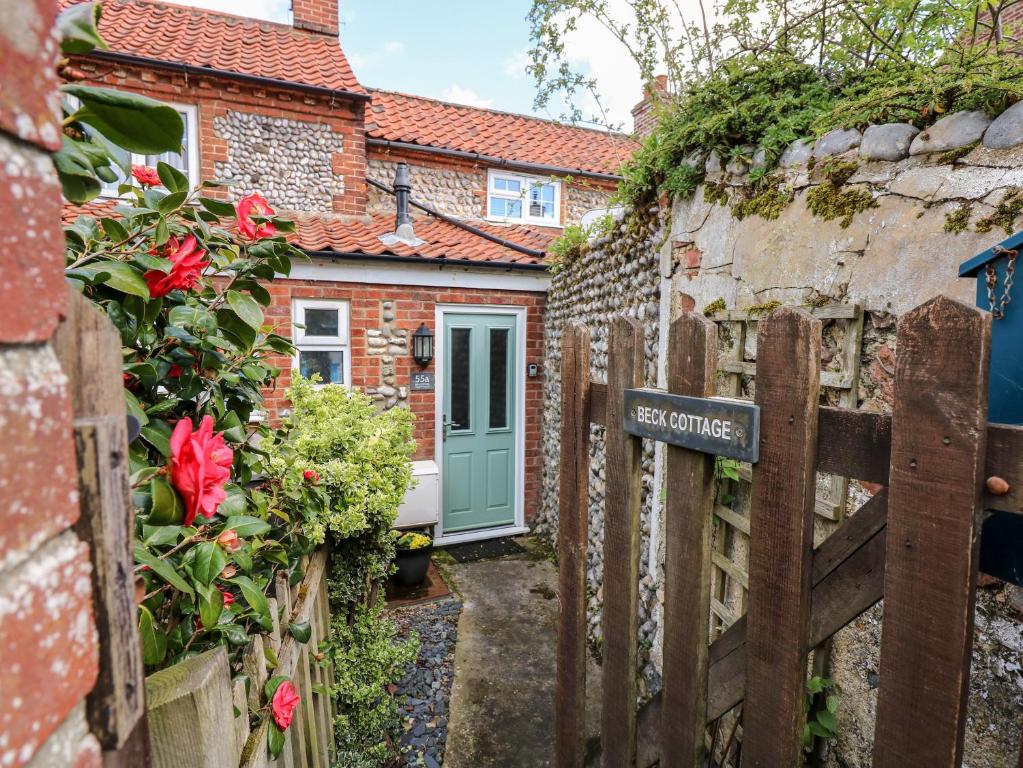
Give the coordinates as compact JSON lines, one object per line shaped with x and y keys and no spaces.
{"x":514,"y":198}
{"x":186,"y":161}
{"x":322,"y":340}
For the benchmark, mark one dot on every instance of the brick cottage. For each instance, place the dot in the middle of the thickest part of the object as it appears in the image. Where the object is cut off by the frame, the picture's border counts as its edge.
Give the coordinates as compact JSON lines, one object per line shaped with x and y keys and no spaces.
{"x":455,"y":249}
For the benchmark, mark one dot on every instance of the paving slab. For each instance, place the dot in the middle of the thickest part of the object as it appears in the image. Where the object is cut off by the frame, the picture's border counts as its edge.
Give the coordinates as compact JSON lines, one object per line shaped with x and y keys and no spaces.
{"x":502,"y":698}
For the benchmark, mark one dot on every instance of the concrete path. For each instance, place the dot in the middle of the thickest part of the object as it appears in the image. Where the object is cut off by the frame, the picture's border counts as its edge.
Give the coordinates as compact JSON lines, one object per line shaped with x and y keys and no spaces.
{"x":502,"y":698}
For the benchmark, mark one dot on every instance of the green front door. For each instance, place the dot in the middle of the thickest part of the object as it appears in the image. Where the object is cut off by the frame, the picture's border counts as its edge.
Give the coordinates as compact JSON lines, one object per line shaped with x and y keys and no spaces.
{"x":480,"y":403}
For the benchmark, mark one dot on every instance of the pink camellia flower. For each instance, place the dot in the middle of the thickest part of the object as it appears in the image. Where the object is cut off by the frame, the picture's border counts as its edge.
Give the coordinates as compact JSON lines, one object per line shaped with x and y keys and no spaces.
{"x":187,"y":264}
{"x":229,"y":540}
{"x":284,"y":703}
{"x":311,"y":477}
{"x":254,"y":205}
{"x":200,"y":467}
{"x":146,"y":176}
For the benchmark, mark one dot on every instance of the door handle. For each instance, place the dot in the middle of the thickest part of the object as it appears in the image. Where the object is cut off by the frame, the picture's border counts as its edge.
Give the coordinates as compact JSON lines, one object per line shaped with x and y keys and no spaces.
{"x":445,"y":426}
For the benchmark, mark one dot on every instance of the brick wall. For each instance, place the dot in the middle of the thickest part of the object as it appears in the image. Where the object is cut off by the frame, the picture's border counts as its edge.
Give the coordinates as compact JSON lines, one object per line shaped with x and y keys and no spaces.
{"x":644,"y":114}
{"x":47,"y":631}
{"x":412,"y":306}
{"x":338,"y":175}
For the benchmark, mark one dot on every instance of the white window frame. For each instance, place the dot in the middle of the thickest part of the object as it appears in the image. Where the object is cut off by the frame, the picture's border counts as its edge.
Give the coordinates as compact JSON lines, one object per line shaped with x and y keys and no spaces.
{"x":191,"y":141}
{"x":342,"y":342}
{"x":527,"y":182}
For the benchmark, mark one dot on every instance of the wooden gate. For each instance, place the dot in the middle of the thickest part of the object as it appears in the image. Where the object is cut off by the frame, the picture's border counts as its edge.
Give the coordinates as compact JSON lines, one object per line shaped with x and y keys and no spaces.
{"x":914,"y":543}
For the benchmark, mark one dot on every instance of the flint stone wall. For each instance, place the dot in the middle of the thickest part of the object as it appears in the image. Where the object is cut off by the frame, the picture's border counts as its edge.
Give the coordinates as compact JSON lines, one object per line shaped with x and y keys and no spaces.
{"x":289,"y":162}
{"x":928,"y":207}
{"x":456,"y":193}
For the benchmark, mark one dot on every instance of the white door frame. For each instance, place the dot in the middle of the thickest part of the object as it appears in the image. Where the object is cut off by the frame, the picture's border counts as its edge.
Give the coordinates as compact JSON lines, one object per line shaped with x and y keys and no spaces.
{"x":519,"y":526}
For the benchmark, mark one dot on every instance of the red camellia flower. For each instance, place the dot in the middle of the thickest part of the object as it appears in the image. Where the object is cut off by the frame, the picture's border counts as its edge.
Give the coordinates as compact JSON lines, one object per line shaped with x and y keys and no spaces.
{"x":228,"y":597}
{"x":311,"y":476}
{"x":146,"y":176}
{"x":254,"y":205}
{"x":284,"y":703}
{"x":200,"y":467}
{"x":186,"y":266}
{"x":229,"y":540}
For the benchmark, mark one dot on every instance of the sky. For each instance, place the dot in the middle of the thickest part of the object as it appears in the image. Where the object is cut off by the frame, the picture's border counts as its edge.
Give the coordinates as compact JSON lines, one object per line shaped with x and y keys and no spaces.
{"x":466,"y":51}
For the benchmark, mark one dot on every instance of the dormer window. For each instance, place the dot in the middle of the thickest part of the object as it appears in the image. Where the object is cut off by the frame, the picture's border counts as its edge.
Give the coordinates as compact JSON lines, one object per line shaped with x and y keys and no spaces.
{"x":517,"y":199}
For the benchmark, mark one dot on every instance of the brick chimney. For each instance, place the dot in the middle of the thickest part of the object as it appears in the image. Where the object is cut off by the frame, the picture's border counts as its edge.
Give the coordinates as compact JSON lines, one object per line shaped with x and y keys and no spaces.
{"x":643,"y":114}
{"x":316,"y":16}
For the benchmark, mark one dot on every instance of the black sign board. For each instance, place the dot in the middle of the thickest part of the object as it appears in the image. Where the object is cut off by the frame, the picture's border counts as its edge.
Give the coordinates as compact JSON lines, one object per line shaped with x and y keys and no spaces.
{"x":715,"y":425}
{"x":422,"y":381}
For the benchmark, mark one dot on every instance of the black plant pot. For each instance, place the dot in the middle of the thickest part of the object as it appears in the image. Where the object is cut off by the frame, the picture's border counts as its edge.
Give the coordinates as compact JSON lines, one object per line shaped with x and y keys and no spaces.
{"x":412,"y":565}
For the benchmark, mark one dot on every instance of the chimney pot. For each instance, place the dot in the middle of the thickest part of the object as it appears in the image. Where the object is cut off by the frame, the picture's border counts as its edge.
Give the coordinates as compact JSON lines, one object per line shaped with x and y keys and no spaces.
{"x":402,"y":192}
{"x":316,"y":16}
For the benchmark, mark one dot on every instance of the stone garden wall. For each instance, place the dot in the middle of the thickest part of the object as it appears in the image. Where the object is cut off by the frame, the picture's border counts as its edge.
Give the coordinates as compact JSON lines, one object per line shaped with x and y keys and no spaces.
{"x":881,"y":218}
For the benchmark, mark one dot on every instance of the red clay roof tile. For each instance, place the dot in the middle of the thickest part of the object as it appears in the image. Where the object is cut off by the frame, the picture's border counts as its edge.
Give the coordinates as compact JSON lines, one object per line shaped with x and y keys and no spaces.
{"x":444,"y":242}
{"x":200,"y":38}
{"x":418,"y":120}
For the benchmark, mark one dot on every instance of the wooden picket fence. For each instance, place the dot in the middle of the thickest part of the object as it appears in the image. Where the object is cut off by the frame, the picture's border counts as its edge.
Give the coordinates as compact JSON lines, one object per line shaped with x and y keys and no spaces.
{"x":203,"y":684}
{"x":183,"y":716}
{"x":914,"y":544}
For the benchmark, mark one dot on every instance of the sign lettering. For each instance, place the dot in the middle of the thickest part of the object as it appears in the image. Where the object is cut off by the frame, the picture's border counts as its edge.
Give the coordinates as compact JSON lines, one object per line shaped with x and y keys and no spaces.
{"x":422,"y":381}
{"x":715,"y":425}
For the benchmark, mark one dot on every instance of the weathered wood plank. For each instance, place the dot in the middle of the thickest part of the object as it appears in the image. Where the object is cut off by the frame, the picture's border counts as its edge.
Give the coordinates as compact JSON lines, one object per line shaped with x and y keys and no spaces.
{"x":620,"y":619}
{"x":781,"y":547}
{"x":1005,"y":460}
{"x":848,"y":575}
{"x":832,"y":312}
{"x":598,"y":403}
{"x":854,"y":444}
{"x":934,"y":503}
{"x":573,"y":507}
{"x":828,"y":378}
{"x":688,"y":526}
{"x":89,"y":349}
{"x":188,"y":704}
{"x":136,"y":751}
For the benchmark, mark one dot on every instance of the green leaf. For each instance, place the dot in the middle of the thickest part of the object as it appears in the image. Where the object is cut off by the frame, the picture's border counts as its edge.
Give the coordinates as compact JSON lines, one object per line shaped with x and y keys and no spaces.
{"x":163,"y":569}
{"x":161,"y":535}
{"x":114,"y":229}
{"x":154,"y":641}
{"x":78,"y":30}
{"x":271,"y":656}
{"x":172,"y":178}
{"x":274,"y":740}
{"x":211,"y":605}
{"x":144,"y":475}
{"x":157,"y":433}
{"x":275,"y":552}
{"x":131,"y":404}
{"x":301,"y":631}
{"x":162,"y":232}
{"x":832,"y":703}
{"x":210,"y":560}
{"x":235,"y":633}
{"x":119,"y":276}
{"x":172,"y":202}
{"x":256,"y":600}
{"x":245,"y":525}
{"x":271,"y":685}
{"x":234,"y":504}
{"x":168,"y":508}
{"x":217,"y":207}
{"x":827,"y":720}
{"x":134,"y":122}
{"x":246,"y":308}
{"x":232,"y":428}
{"x":191,"y":317}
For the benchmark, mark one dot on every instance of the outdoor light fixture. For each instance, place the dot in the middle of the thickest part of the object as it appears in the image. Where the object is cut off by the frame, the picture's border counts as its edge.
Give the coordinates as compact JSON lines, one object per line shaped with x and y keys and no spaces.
{"x":422,"y":345}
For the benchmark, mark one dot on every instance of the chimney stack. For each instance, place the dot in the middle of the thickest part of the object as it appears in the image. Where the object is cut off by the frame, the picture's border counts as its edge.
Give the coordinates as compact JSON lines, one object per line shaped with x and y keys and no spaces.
{"x":319,"y":16}
{"x":643,"y":114}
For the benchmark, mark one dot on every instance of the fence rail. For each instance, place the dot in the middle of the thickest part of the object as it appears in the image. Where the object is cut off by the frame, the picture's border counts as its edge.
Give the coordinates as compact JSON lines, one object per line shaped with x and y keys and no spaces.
{"x":190,"y":704}
{"x":932,"y":455}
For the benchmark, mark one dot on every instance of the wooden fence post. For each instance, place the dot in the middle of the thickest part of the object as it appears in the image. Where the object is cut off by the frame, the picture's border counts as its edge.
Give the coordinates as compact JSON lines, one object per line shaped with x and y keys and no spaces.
{"x":573,"y":512}
{"x":189,"y":709}
{"x":939,"y":427}
{"x":781,"y":546}
{"x":626,"y":361}
{"x":692,"y":364}
{"x":89,"y":349}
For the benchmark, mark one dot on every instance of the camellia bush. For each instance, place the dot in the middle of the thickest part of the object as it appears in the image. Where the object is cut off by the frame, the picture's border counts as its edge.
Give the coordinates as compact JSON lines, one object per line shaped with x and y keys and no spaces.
{"x":224,"y":502}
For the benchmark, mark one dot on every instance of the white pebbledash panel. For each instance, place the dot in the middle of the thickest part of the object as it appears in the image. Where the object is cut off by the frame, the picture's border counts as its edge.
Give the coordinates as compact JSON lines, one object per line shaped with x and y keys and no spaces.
{"x":421,"y":507}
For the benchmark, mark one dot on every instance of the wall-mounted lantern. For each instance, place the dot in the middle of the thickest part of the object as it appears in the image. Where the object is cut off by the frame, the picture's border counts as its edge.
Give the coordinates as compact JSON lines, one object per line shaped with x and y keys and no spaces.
{"x":422,"y":345}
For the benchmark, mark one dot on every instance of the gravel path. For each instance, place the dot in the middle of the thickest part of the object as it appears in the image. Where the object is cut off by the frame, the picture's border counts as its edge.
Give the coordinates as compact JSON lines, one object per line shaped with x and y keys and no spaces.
{"x":427,"y":682}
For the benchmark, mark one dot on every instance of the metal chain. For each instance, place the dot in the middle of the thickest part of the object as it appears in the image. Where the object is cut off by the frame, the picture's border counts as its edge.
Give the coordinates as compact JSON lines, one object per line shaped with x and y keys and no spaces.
{"x":991,"y":278}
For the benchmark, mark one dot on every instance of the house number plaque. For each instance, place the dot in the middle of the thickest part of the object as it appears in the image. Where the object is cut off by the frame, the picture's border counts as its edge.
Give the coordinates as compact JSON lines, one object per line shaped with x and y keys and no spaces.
{"x":715,"y":425}
{"x":422,"y":381}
